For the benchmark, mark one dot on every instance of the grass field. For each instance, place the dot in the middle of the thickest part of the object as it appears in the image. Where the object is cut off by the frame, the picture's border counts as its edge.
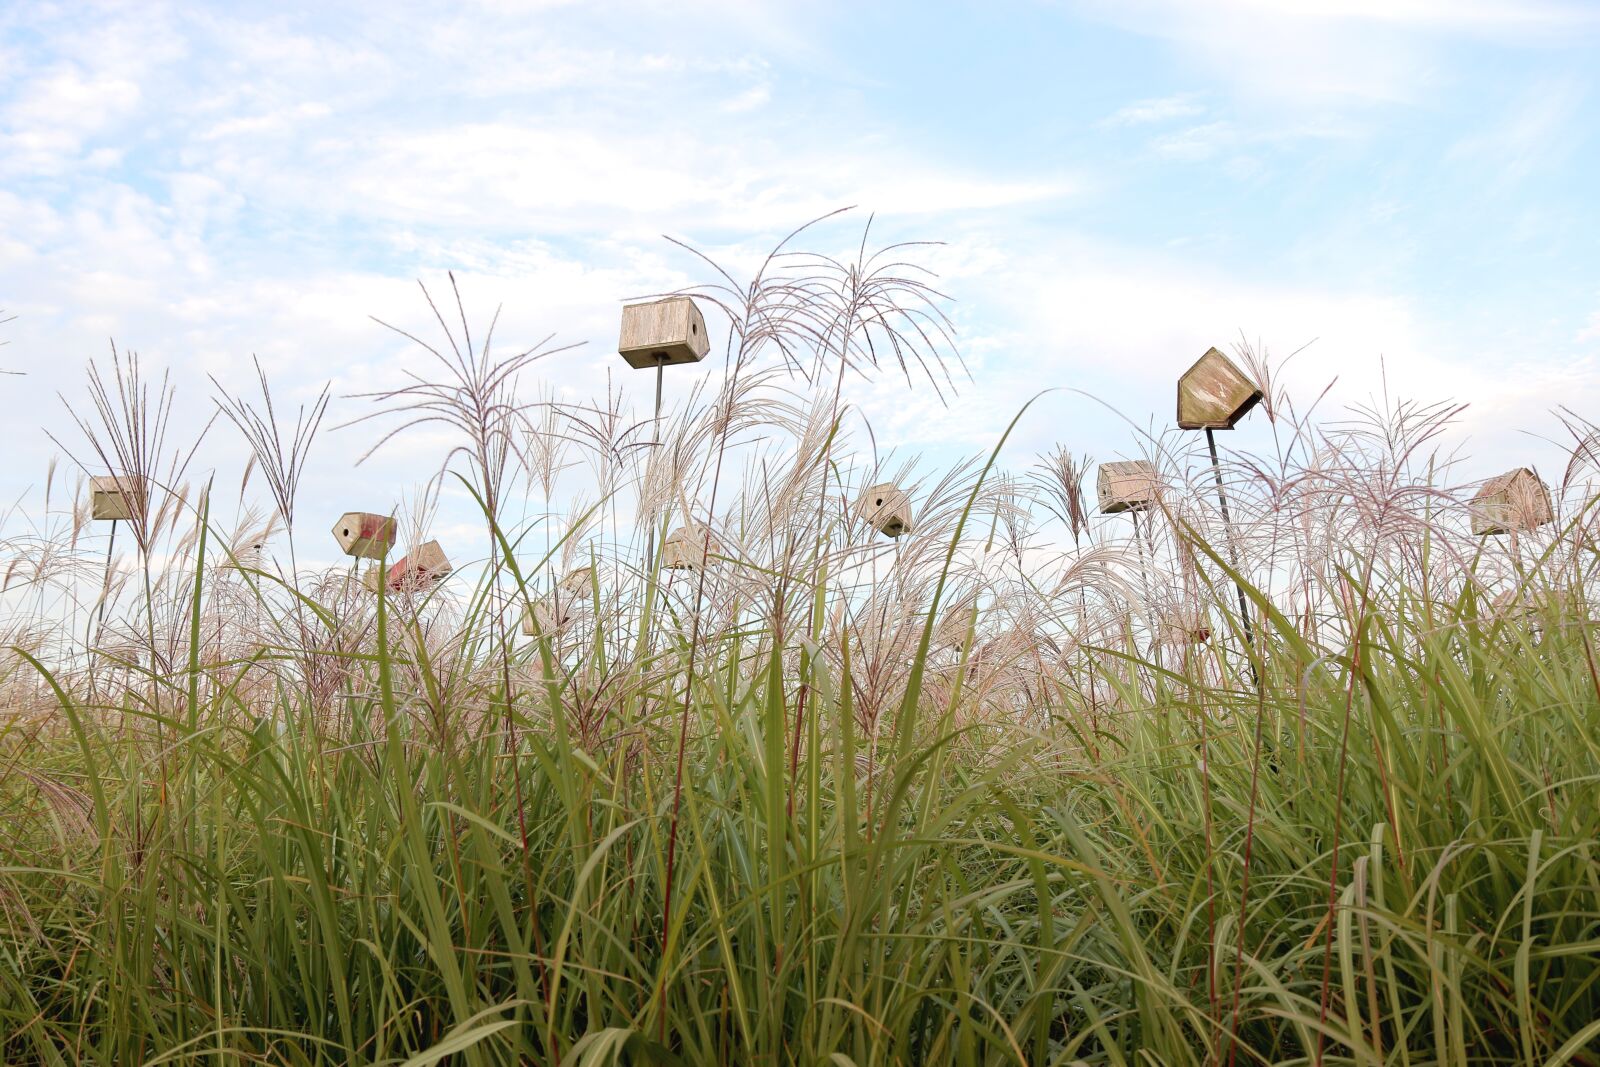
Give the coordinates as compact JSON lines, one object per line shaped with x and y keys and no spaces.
{"x":822,"y":798}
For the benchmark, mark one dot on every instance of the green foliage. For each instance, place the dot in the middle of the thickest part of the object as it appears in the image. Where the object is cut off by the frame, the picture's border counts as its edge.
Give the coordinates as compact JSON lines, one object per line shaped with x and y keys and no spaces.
{"x":1387,"y":855}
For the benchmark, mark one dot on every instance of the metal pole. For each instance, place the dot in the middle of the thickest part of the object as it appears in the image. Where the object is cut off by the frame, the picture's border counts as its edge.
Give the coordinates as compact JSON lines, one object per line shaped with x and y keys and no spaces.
{"x":1233,"y":557}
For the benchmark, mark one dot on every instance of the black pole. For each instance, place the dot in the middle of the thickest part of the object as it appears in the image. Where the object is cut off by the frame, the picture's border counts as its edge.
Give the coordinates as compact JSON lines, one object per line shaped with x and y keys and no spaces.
{"x":1233,"y":557}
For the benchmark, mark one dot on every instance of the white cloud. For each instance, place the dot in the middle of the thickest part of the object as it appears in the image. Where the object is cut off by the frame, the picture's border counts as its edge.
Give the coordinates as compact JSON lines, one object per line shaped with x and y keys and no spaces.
{"x":1295,"y":53}
{"x":1146,"y":112}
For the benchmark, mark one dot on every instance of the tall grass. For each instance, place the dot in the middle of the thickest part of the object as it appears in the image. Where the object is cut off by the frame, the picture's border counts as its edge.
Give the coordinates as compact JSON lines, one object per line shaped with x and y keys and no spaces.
{"x":962,"y":802}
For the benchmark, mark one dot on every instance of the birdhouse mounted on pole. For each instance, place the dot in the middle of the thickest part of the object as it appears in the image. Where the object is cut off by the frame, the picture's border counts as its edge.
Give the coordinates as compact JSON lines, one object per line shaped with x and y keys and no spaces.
{"x":661,"y":333}
{"x":1128,"y":485}
{"x":1511,"y":502}
{"x":958,"y":624}
{"x":1185,"y":628}
{"x":425,"y":565}
{"x":113,"y":496}
{"x":364,"y":535}
{"x":548,"y":615}
{"x":577,"y":582}
{"x":1214,"y":394}
{"x":686,"y":547}
{"x":886,"y":508}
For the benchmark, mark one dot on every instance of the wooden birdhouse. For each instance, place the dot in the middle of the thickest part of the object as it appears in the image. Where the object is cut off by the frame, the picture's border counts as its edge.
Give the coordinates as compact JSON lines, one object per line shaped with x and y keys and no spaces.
{"x":1127,"y":486}
{"x":886,"y":508}
{"x":957,"y":624}
{"x":365,"y":535}
{"x":1516,"y":500}
{"x":117,"y":496}
{"x":686,"y":546}
{"x":663,"y":332}
{"x":548,"y":615}
{"x":577,"y":582}
{"x":1185,"y":628}
{"x":249,"y":554}
{"x":425,"y":565}
{"x":1515,"y":607}
{"x":1214,"y":394}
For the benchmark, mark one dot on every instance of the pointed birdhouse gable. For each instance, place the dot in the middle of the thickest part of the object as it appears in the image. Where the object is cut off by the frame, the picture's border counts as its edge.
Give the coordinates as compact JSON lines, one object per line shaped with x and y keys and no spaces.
{"x":113,"y":496}
{"x":1214,"y":394}
{"x":424,"y":566}
{"x":686,"y":546}
{"x":663,"y":332}
{"x":546,"y":616}
{"x":1127,"y":486}
{"x":1516,"y":500}
{"x":364,"y":535}
{"x":958,"y":624}
{"x":886,"y":509}
{"x":1189,"y":627}
{"x":577,"y":582}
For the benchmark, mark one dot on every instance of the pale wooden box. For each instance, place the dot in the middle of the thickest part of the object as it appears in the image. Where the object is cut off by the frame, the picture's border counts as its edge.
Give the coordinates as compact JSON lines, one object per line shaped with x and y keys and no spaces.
{"x":685,"y":547}
{"x":886,"y":508}
{"x":1128,"y":485}
{"x":113,"y":496}
{"x":663,"y":332}
{"x":1513,"y":501}
{"x":546,"y":616}
{"x":364,"y":535}
{"x":426,"y":564}
{"x":577,"y":582}
{"x":1214,"y":394}
{"x":958,"y":623}
{"x":1190,"y":627}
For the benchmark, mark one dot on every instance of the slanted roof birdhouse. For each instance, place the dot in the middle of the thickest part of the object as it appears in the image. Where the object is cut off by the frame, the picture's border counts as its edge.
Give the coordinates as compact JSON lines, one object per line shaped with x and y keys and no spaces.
{"x":1129,"y":485}
{"x":1513,"y":501}
{"x":249,"y":554}
{"x":548,"y":615}
{"x":425,"y":565}
{"x":958,"y":624}
{"x":662,"y":332}
{"x":1512,"y":605}
{"x":117,"y":496}
{"x":1185,"y":627}
{"x":364,"y":535}
{"x":1214,"y":394}
{"x":686,"y":546}
{"x":886,"y":508}
{"x":577,"y":582}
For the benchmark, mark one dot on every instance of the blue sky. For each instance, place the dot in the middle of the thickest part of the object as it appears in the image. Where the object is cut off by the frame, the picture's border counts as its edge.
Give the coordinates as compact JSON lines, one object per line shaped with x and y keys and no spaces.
{"x":1411,"y":184}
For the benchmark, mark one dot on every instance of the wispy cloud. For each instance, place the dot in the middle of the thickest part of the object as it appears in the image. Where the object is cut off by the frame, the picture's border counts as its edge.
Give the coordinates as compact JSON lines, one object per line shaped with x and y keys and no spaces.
{"x":1147,"y":112}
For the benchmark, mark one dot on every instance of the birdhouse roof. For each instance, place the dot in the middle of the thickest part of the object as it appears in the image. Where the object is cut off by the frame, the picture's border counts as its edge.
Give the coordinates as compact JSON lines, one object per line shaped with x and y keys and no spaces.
{"x":1501,"y":483}
{"x":1214,"y":394}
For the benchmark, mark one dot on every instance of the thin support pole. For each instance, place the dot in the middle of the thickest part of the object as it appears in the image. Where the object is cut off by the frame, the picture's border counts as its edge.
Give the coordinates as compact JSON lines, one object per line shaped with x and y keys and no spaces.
{"x":1233,"y":557}
{"x":1153,"y":613}
{"x":655,"y":442}
{"x":105,"y":588}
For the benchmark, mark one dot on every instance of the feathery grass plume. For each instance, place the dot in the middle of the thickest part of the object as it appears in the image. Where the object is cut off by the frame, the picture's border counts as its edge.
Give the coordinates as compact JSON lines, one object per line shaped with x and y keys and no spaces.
{"x":477,"y":396}
{"x":127,"y":434}
{"x":1059,"y":477}
{"x":281,"y":460}
{"x":744,"y":816}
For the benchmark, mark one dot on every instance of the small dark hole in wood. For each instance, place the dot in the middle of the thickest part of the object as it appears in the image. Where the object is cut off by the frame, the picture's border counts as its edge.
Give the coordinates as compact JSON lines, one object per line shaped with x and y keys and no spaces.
{"x":880,"y":502}
{"x":346,"y":531}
